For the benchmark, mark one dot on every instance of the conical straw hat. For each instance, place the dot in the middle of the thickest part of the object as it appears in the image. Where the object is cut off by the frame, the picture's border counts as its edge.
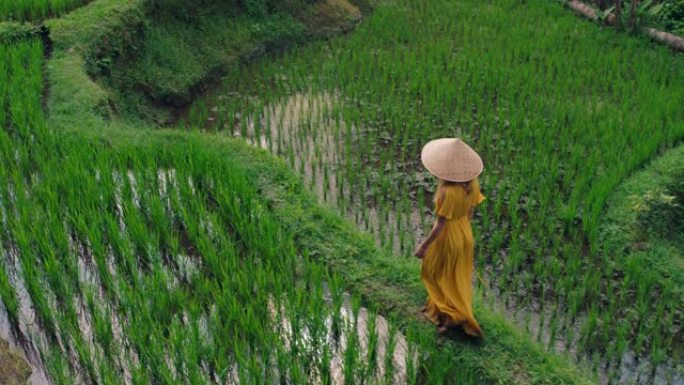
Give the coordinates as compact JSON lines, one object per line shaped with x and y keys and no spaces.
{"x":451,"y":159}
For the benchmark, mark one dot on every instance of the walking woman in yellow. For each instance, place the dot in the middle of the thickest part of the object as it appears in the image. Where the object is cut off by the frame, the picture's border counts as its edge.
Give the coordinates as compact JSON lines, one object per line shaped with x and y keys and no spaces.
{"x":447,"y":252}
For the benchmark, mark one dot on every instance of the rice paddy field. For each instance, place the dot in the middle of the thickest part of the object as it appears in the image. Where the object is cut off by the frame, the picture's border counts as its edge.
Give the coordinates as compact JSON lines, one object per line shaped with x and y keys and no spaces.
{"x":141,"y":272}
{"x":157,"y":255}
{"x":23,"y":10}
{"x":560,"y":113}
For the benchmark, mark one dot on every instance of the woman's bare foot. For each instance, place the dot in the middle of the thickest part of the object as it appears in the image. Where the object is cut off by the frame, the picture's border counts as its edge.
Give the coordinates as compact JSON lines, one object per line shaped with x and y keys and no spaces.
{"x":442,"y":329}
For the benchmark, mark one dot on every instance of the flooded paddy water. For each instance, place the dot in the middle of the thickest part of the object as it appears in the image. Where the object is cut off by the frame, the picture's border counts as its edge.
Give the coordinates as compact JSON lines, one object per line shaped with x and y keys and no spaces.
{"x":302,"y":132}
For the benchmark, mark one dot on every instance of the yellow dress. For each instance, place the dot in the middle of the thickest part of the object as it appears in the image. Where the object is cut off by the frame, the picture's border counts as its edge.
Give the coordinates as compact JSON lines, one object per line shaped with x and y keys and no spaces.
{"x":447,"y":267}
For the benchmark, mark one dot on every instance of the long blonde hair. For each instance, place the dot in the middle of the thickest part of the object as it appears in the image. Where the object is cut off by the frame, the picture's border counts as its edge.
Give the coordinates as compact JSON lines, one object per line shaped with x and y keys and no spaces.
{"x":467,"y":186}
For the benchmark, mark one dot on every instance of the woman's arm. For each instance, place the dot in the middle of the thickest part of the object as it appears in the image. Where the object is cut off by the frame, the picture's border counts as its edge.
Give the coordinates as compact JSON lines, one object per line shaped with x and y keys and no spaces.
{"x":436,"y":230}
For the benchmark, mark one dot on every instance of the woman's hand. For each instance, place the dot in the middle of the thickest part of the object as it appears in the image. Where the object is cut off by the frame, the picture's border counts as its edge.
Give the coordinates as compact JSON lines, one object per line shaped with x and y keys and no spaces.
{"x":436,"y":230}
{"x":420,"y":251}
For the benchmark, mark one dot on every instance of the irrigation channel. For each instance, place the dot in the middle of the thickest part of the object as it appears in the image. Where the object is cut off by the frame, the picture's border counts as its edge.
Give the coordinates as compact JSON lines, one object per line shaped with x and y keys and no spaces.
{"x":390,"y":349}
{"x":304,"y":129}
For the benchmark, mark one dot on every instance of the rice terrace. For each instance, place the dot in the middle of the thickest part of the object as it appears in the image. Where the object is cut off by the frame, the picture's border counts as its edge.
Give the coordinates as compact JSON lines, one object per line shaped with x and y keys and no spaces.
{"x":236,"y":191}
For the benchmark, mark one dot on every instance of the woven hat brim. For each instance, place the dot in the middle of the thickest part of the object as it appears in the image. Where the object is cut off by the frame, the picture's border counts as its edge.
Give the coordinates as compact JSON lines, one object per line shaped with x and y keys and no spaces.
{"x":451,"y":159}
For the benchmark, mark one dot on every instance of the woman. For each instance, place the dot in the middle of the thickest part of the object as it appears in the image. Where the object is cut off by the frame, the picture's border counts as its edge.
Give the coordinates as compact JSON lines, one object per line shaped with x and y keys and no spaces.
{"x":447,"y":252}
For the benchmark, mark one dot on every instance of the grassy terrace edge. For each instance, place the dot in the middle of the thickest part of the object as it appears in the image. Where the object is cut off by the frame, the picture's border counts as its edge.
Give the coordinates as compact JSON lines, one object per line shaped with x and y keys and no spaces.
{"x":12,"y":31}
{"x":76,"y":104}
{"x":658,"y":260}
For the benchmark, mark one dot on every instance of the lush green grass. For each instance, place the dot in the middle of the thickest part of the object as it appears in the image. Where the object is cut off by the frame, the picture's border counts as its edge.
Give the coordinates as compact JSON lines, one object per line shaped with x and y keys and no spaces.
{"x":13,"y":31}
{"x":21,"y":10}
{"x":646,"y":209}
{"x":643,"y":225}
{"x":560,"y":110}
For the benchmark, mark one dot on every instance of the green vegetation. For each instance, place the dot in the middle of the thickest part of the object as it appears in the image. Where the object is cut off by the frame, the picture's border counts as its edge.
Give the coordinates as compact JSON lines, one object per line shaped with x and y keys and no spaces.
{"x":117,"y":229}
{"x":662,"y":211}
{"x":666,"y":15}
{"x":20,"y":10}
{"x":643,"y":225}
{"x":553,"y":106}
{"x":671,"y":16}
{"x":179,"y":55}
{"x":167,"y":256}
{"x":153,"y":56}
{"x":159,"y":237}
{"x":11,"y":31}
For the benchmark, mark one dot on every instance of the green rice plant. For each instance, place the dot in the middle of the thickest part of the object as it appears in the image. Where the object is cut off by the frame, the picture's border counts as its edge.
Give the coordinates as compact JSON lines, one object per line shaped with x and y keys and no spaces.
{"x":388,"y":364}
{"x":21,"y":10}
{"x":58,"y":366}
{"x":107,"y":374}
{"x":96,"y":239}
{"x":83,"y":352}
{"x":102,"y":326}
{"x":351,"y":350}
{"x":9,"y":297}
{"x":554,"y":327}
{"x":31,"y":276}
{"x":413,"y":365}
